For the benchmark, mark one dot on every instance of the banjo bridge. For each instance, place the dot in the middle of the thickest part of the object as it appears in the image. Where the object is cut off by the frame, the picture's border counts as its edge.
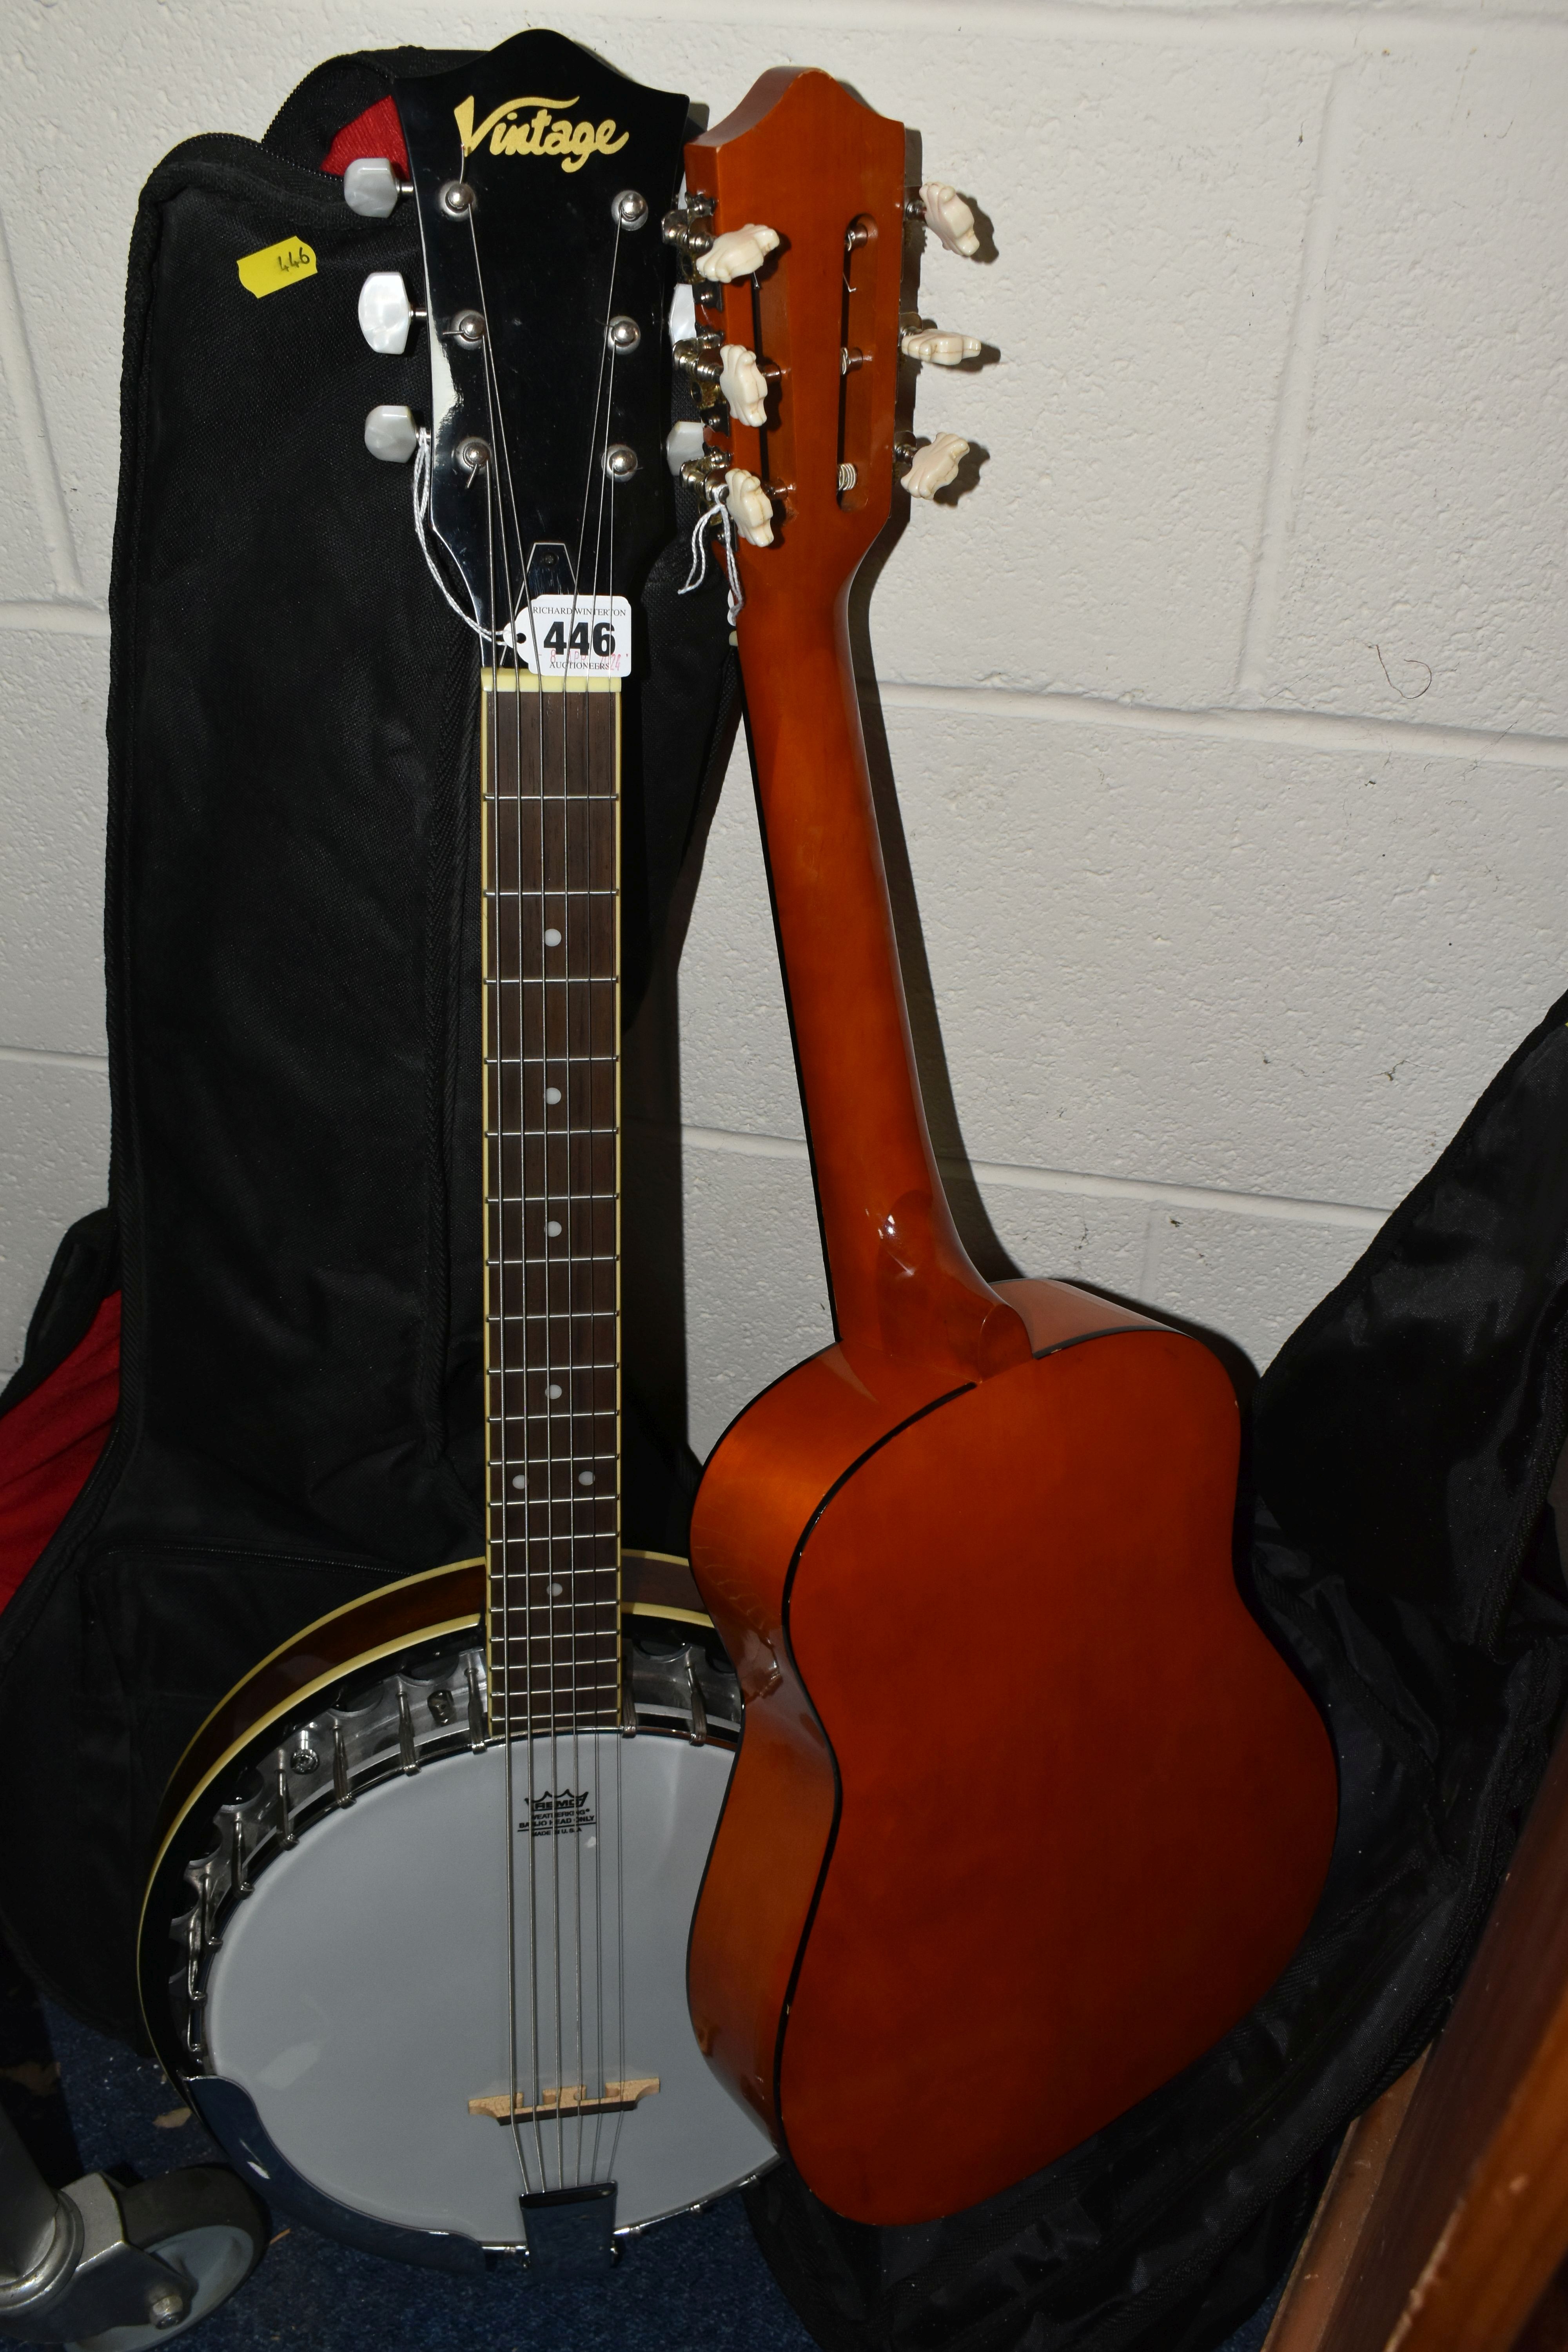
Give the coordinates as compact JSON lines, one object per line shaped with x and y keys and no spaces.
{"x":573,"y":2099}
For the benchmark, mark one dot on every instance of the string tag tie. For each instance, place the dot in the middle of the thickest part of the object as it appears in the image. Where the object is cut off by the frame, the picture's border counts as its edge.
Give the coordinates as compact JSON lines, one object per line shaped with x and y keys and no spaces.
{"x":717,"y":509}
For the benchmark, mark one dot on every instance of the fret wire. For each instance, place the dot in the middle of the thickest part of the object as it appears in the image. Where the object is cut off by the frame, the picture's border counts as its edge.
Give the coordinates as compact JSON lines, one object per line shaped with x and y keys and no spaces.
{"x":566,"y":1198}
{"x":522,"y":1538}
{"x":600,"y":1258}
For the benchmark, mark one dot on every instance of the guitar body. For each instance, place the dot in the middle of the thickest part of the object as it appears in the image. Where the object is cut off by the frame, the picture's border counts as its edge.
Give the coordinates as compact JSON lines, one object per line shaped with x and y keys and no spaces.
{"x":1029,"y":1810}
{"x":1020,"y":1827}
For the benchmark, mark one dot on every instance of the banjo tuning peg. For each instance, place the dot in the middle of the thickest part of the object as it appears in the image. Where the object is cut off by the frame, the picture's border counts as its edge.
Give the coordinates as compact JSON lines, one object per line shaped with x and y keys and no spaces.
{"x":372,"y":187}
{"x":385,"y":312}
{"x":391,"y":434}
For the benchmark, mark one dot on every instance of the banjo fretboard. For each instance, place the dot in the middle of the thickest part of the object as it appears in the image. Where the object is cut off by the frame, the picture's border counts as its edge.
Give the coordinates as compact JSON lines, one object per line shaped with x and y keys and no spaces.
{"x":552,"y":1182}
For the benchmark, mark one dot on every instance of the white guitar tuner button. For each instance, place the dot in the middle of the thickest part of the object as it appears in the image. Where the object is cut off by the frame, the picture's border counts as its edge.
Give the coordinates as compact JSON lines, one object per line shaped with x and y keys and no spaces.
{"x":391,"y":433}
{"x":372,"y":187}
{"x":938,"y":346}
{"x":935,"y":463}
{"x":385,"y":312}
{"x":741,"y":385}
{"x":947,"y":218}
{"x":750,"y":509}
{"x":737,"y":253}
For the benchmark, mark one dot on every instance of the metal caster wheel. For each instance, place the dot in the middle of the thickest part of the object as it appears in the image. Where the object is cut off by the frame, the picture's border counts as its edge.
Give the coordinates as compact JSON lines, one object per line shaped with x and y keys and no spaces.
{"x":206,"y":2225}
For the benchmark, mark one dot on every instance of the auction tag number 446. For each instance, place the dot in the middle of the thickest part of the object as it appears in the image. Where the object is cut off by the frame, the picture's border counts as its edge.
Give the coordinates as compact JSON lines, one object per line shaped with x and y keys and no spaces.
{"x":576,"y":636}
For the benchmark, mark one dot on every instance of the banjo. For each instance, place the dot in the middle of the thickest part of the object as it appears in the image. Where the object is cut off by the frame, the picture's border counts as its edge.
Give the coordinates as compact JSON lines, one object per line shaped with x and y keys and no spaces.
{"x":414,"y":1940}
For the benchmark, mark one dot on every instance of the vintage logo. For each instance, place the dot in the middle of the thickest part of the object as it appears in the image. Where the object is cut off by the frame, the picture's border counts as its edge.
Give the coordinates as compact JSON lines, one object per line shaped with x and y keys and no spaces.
{"x":538,"y":126}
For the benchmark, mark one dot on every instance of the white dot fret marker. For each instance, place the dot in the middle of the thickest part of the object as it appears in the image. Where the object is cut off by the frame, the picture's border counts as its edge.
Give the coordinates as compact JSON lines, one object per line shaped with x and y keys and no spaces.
{"x":552,"y":938}
{"x":520,"y":1483}
{"x":585,"y":1477}
{"x":551,"y":1094}
{"x":556,"y":1589}
{"x":553,"y":1229}
{"x":553,"y":1390}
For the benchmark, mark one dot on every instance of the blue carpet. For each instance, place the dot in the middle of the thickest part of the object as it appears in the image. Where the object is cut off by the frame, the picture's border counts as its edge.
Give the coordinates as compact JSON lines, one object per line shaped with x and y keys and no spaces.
{"x":695,"y":2284}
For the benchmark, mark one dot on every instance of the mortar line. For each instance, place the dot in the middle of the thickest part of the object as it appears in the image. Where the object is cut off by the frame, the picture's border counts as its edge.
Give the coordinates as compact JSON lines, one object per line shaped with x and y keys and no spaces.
{"x":55,"y":619}
{"x":1325,"y":730}
{"x":50,"y":1060}
{"x":16,"y":359}
{"x":1338,"y":32}
{"x":1272,"y":1207}
{"x":1293,"y":413}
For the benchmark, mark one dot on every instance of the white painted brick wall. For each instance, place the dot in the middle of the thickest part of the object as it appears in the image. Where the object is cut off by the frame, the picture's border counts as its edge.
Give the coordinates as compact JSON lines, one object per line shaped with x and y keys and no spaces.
{"x":1229,"y":714}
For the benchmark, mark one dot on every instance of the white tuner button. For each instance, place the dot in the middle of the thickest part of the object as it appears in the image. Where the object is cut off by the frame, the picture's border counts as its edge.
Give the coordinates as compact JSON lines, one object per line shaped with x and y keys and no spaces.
{"x":372,"y":187}
{"x":947,"y":218}
{"x":938,"y":346}
{"x":750,"y":509}
{"x":741,"y":385}
{"x":385,"y":312}
{"x":935,"y":463}
{"x":737,"y":253}
{"x":683,"y":442}
{"x":391,"y":433}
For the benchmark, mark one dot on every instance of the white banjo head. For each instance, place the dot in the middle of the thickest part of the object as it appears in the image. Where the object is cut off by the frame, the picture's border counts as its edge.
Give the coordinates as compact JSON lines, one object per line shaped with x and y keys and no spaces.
{"x":359,"y":1996}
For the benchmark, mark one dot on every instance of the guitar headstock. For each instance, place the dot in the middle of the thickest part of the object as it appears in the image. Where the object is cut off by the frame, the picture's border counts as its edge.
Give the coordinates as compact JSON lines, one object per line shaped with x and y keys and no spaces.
{"x":792,"y":234}
{"x":539,"y":175}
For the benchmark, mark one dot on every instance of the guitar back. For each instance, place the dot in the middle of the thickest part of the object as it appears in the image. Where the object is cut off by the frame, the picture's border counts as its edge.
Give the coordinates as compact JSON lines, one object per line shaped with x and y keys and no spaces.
{"x":1029,"y":1810}
{"x":1069,"y":1811}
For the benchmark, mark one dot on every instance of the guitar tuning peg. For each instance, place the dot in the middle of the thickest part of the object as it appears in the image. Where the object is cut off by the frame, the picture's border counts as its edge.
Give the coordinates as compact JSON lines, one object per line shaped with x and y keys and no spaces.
{"x":737,"y":253}
{"x":370,"y":188}
{"x":941,"y":346}
{"x":949,"y":220}
{"x":742,"y":385}
{"x":750,"y":509}
{"x":385,"y":312}
{"x":932,"y":464}
{"x":391,"y":434}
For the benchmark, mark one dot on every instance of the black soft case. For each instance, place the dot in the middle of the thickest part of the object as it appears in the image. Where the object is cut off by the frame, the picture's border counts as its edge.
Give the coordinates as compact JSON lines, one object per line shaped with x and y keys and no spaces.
{"x":292,"y":932}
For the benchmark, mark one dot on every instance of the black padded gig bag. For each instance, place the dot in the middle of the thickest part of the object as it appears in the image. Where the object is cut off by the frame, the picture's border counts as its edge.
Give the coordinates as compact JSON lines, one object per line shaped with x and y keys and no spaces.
{"x":293,"y":948}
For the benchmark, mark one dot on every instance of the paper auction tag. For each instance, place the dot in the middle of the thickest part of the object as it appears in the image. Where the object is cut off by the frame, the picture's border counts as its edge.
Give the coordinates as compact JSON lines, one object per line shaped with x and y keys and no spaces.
{"x":577,"y":636}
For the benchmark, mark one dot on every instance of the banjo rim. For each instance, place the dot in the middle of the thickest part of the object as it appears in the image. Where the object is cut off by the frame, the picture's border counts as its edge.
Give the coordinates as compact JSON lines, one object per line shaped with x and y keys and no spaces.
{"x":208,"y":1755}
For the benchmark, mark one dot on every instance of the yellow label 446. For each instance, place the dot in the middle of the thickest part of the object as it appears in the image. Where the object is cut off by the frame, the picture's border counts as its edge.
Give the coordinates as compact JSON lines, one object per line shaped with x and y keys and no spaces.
{"x":283,"y":264}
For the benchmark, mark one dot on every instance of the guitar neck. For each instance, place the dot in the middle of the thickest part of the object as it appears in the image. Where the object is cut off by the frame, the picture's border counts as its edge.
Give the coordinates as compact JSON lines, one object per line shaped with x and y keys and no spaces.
{"x":551,"y":1187}
{"x":902,"y":1283}
{"x":824,"y":315}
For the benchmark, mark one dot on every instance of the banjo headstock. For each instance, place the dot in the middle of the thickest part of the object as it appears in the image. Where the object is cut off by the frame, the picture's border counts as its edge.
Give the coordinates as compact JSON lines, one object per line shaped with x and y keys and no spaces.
{"x":540,"y":175}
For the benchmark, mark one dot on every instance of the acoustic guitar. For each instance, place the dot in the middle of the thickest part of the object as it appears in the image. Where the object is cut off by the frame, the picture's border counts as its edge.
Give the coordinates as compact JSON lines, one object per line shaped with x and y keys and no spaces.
{"x":1029,"y":1810}
{"x":415,"y":1941}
